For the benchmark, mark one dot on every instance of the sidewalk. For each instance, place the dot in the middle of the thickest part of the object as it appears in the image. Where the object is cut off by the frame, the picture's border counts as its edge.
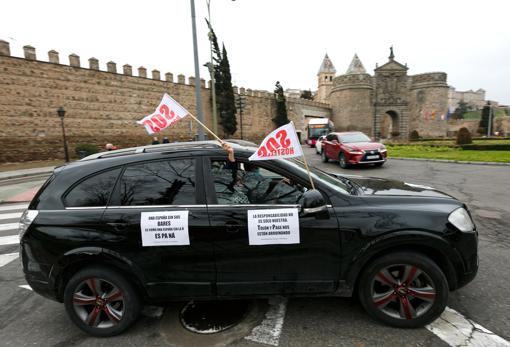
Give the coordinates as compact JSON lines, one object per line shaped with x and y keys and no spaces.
{"x":22,"y":185}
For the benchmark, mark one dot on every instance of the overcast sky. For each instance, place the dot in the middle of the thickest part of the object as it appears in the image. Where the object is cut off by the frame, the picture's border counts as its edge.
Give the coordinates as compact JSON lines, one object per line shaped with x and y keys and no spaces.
{"x":270,"y":40}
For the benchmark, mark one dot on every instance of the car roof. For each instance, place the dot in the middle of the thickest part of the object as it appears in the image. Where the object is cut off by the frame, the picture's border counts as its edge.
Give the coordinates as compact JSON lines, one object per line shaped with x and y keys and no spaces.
{"x":171,"y":147}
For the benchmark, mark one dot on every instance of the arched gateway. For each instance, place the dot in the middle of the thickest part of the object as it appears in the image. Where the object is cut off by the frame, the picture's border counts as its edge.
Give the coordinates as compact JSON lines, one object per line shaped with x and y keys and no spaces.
{"x":389,"y":104}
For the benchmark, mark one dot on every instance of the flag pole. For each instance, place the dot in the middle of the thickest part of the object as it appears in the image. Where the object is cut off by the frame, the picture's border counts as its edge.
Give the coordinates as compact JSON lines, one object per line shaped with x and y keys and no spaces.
{"x":205,"y":127}
{"x":304,"y":159}
{"x":308,"y":170}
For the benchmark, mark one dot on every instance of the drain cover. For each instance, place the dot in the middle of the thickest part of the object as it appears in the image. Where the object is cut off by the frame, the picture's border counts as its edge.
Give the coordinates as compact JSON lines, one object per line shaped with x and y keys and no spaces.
{"x":209,"y":317}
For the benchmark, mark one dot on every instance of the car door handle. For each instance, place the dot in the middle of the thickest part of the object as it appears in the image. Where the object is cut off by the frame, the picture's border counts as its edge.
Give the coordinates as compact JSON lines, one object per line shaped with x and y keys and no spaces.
{"x":118,"y":226}
{"x":231,"y":228}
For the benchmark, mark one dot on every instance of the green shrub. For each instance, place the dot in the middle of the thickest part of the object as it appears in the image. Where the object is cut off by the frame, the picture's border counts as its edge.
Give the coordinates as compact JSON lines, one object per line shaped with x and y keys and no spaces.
{"x":463,"y":137}
{"x":414,"y":135}
{"x":84,"y":149}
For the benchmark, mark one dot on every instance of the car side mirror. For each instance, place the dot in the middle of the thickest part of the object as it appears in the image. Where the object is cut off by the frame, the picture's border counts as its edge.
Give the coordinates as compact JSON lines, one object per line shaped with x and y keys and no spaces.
{"x":313,"y":202}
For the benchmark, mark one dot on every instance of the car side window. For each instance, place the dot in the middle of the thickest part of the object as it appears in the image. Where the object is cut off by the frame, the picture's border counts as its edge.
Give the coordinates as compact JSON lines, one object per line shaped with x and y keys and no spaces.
{"x":330,"y":137}
{"x":93,"y":191}
{"x":247,"y":183}
{"x":166,"y":182}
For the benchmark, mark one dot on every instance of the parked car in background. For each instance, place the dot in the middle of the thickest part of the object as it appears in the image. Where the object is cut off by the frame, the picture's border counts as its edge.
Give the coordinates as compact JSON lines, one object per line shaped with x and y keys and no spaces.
{"x":353,"y":148}
{"x":318,"y":144}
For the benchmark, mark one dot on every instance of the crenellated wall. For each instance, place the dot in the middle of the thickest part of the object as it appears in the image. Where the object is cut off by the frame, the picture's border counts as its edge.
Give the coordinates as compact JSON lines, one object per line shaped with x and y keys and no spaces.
{"x":103,"y":106}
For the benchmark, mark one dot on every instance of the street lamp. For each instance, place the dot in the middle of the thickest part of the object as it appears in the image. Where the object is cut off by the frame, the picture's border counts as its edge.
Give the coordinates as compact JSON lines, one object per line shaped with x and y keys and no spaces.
{"x":241,"y":105}
{"x":211,"y":70}
{"x":198,"y":93}
{"x":61,"y":113}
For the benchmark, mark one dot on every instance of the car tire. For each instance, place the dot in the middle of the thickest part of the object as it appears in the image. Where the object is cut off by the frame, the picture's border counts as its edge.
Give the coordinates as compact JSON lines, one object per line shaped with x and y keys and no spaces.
{"x":379,"y":164}
{"x":101,"y":302}
{"x":404,"y":290}
{"x":342,"y":162}
{"x":324,"y":158}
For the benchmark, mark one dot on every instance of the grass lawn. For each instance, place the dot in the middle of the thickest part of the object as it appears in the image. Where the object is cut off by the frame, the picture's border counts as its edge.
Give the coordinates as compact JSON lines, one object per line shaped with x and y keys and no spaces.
{"x":498,"y":112}
{"x":449,"y":153}
{"x":452,"y":142}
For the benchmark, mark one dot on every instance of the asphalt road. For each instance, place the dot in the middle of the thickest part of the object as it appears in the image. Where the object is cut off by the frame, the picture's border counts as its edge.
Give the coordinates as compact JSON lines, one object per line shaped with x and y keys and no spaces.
{"x":28,"y":319}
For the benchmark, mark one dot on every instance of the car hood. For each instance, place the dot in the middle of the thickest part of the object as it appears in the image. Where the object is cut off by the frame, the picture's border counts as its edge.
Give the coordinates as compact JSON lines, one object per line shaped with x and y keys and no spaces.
{"x":367,"y":146}
{"x":387,"y":187}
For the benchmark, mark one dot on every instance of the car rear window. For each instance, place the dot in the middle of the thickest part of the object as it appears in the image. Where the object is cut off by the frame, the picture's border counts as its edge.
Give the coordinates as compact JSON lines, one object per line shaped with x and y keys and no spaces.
{"x":167,"y":182}
{"x":93,"y":191}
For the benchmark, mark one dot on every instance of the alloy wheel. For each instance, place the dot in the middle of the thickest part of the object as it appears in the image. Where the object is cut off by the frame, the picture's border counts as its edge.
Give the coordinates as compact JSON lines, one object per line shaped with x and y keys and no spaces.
{"x":98,"y":303}
{"x":403,"y":291}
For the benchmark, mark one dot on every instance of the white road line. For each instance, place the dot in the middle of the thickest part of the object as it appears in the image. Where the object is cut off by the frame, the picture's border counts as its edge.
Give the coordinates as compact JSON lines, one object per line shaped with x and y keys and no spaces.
{"x":7,"y":258}
{"x":456,"y":330}
{"x":10,"y":215}
{"x":270,"y":329}
{"x":9,"y":240}
{"x":9,"y":226}
{"x":25,"y":286}
{"x":13,"y":207}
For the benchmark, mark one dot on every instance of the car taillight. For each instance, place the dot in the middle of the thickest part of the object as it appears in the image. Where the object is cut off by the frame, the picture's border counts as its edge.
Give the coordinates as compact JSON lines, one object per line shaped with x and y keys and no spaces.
{"x":26,"y":219}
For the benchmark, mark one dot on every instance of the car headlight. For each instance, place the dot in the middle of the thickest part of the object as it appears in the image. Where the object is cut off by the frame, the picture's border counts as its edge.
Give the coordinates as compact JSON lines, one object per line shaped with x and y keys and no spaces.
{"x":382,"y":148}
{"x":353,"y":151}
{"x":461,"y":220}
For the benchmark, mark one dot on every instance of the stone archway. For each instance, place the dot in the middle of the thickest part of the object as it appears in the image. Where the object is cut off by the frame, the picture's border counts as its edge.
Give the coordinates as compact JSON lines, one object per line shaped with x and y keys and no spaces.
{"x":389,"y":125}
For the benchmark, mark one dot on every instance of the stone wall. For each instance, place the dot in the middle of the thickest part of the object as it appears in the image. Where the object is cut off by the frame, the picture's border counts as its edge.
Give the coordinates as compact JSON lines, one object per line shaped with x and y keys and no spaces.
{"x":103,"y":106}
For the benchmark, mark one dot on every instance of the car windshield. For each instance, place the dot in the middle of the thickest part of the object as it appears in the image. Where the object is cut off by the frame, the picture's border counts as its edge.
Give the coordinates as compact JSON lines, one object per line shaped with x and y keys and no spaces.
{"x":316,"y":132}
{"x":351,"y":138}
{"x":324,"y":177}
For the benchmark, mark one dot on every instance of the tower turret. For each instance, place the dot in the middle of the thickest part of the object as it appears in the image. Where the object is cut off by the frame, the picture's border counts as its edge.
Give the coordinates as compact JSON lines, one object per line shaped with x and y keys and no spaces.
{"x":351,"y":99}
{"x":325,"y":79}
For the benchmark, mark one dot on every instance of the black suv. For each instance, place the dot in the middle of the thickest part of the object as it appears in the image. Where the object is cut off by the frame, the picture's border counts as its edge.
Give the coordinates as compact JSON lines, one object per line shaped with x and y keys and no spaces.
{"x":179,"y":221}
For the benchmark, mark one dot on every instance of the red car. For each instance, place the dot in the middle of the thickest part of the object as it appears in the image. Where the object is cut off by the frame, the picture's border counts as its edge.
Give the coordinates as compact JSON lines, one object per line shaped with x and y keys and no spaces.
{"x":352,"y":148}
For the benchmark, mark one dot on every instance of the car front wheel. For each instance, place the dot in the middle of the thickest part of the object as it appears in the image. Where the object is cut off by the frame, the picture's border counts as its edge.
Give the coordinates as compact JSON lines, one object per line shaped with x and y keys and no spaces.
{"x":405,"y":290}
{"x":324,"y":157}
{"x":342,"y":161}
{"x":101,"y":302}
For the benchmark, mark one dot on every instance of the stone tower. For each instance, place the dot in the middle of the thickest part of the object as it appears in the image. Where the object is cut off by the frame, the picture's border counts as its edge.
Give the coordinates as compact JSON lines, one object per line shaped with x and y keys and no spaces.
{"x":325,"y":79}
{"x":351,"y":99}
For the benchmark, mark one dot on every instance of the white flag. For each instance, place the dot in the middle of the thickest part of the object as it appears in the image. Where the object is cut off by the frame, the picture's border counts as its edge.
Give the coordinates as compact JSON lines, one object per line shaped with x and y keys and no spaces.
{"x":281,"y":143}
{"x":167,"y":113}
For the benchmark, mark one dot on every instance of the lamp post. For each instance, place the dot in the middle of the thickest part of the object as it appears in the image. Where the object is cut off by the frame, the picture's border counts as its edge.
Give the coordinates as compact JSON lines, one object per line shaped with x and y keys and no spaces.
{"x":241,"y":104}
{"x":211,"y":71}
{"x":61,"y":113}
{"x":198,"y":93}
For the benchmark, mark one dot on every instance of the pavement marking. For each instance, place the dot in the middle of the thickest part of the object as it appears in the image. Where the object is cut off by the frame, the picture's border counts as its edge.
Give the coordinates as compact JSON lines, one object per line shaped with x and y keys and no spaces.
{"x":9,"y":226}
{"x":26,"y":286}
{"x":9,"y":240}
{"x":7,"y":258}
{"x":10,"y":215}
{"x":456,"y":330}
{"x":13,"y":207}
{"x":270,"y":329}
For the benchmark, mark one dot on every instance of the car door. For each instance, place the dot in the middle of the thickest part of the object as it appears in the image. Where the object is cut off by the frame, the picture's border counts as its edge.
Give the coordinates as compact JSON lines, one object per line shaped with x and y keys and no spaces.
{"x":309,"y":266}
{"x":332,"y":147}
{"x":163,"y":189}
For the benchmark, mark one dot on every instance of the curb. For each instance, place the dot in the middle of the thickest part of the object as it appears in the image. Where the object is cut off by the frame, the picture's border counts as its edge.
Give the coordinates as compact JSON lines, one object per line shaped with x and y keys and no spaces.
{"x":455,"y":161}
{"x":7,"y":175}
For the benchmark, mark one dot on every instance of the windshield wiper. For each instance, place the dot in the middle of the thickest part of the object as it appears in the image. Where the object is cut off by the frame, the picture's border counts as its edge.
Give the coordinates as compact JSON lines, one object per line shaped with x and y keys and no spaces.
{"x":354,"y":189}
